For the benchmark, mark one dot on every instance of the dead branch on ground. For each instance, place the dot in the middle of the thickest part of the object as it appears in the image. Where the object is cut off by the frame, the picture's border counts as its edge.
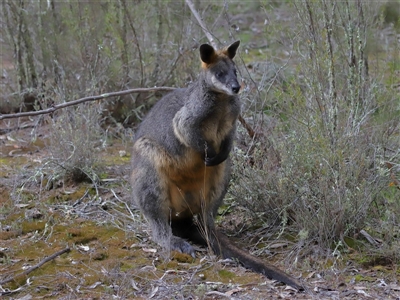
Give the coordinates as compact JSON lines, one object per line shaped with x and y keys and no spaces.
{"x":41,"y":263}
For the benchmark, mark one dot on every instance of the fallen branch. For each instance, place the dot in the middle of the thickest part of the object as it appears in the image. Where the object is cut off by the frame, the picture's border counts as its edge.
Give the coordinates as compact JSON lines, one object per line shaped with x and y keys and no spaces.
{"x":82,"y":100}
{"x":374,"y":241}
{"x":41,"y":263}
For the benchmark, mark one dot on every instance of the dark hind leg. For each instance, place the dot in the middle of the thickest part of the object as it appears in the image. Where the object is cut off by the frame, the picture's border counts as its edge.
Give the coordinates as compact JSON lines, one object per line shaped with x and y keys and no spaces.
{"x":151,"y":196}
{"x":189,"y":230}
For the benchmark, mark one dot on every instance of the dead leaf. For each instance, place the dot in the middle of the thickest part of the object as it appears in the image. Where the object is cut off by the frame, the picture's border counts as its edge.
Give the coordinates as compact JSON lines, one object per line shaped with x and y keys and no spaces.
{"x":154,"y":292}
{"x":394,"y":287}
{"x":94,"y":285}
{"x":84,"y":248}
{"x":134,"y":285}
{"x":360,"y":287}
{"x":362,"y":292}
{"x":11,"y":153}
{"x":148,"y":268}
{"x":278,"y":245}
{"x":233,"y":291}
{"x":149,"y":250}
{"x":310,"y":275}
{"x":287,"y":288}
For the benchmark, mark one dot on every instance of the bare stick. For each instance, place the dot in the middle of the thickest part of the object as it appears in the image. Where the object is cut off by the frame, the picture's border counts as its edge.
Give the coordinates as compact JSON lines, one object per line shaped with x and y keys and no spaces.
{"x":250,"y":130}
{"x":82,"y":100}
{"x":201,"y":23}
{"x":41,"y":263}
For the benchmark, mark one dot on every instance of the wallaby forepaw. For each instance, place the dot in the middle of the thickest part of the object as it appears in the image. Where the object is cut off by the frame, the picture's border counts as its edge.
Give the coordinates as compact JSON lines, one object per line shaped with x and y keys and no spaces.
{"x":182,"y":246}
{"x":209,"y":162}
{"x":212,"y":161}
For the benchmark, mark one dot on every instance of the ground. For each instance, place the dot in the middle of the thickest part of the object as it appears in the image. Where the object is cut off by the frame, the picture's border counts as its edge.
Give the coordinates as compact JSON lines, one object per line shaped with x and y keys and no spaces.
{"x":106,"y":251}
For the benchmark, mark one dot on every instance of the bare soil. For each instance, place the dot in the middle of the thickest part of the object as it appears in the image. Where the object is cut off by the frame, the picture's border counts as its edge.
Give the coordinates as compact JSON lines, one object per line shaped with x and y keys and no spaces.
{"x":107,"y":250}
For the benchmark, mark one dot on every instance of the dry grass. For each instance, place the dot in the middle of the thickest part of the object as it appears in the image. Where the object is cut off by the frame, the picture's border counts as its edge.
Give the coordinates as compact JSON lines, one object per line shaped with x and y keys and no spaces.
{"x":322,"y":170}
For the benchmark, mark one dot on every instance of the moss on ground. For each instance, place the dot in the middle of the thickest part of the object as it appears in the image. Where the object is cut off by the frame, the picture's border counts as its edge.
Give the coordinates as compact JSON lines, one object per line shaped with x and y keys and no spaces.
{"x":105,"y":254}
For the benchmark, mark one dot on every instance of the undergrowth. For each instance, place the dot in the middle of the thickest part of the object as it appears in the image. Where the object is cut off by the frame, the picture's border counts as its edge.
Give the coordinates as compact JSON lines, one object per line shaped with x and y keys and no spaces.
{"x":75,"y":138}
{"x":326,"y":130}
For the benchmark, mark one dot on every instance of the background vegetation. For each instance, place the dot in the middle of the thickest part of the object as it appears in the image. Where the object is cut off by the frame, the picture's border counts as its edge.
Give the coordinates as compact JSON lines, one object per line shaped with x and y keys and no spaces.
{"x":321,"y":91}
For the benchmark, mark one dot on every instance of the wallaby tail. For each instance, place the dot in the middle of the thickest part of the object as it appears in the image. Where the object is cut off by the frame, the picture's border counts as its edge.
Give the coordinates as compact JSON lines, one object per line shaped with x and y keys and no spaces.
{"x":222,"y":246}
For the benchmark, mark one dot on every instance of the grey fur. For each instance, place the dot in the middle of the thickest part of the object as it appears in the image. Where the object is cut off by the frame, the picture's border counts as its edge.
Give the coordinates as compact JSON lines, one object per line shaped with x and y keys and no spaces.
{"x":188,"y":133}
{"x":181,"y":165}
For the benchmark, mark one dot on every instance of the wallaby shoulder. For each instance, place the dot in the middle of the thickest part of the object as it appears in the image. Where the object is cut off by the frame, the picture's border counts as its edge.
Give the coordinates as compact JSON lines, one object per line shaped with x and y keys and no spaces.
{"x":160,"y":116}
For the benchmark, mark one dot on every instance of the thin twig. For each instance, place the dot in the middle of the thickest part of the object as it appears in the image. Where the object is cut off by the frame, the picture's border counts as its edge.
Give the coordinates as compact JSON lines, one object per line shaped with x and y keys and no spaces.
{"x":86,"y":99}
{"x":41,"y":263}
{"x":250,"y":130}
{"x":201,"y":23}
{"x":128,"y":16}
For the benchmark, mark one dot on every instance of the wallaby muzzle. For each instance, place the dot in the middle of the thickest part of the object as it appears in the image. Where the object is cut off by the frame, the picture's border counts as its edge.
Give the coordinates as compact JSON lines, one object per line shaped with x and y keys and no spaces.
{"x":235,"y":86}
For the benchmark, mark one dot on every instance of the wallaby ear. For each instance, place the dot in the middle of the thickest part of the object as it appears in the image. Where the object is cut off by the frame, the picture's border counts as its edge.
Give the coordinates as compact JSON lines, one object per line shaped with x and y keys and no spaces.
{"x":230,"y":51}
{"x":207,"y":53}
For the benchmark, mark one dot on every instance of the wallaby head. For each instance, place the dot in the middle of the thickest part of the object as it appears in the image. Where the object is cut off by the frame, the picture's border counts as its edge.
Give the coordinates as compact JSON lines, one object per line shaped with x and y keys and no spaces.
{"x":219,"y":70}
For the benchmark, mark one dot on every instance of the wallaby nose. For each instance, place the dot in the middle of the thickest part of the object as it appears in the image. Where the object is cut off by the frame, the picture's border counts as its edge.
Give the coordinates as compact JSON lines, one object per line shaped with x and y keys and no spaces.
{"x":235,"y":88}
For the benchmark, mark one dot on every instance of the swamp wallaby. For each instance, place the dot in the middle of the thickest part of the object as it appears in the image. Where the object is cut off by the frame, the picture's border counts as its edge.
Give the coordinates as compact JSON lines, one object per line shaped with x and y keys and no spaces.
{"x":181,"y":165}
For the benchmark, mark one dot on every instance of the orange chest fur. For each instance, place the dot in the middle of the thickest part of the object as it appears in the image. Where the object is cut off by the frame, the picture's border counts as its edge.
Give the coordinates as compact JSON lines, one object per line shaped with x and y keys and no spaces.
{"x":191,"y":185}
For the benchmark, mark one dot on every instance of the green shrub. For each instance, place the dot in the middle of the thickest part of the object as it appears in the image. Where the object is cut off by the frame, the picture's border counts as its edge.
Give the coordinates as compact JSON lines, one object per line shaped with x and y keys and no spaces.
{"x":75,"y":140}
{"x":318,"y":166}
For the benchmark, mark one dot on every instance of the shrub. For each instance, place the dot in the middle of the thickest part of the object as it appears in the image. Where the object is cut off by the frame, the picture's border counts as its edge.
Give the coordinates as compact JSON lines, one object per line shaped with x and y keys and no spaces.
{"x":75,"y":137}
{"x":321,"y":165}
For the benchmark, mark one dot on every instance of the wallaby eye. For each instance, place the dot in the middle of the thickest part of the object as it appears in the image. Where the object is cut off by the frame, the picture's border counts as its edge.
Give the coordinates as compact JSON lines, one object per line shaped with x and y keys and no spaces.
{"x":219,"y":74}
{"x":235,"y":72}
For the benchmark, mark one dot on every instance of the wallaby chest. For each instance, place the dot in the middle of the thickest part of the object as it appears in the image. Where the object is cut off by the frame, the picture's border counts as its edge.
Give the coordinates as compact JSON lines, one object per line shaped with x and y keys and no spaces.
{"x":221,"y":119}
{"x":191,"y":184}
